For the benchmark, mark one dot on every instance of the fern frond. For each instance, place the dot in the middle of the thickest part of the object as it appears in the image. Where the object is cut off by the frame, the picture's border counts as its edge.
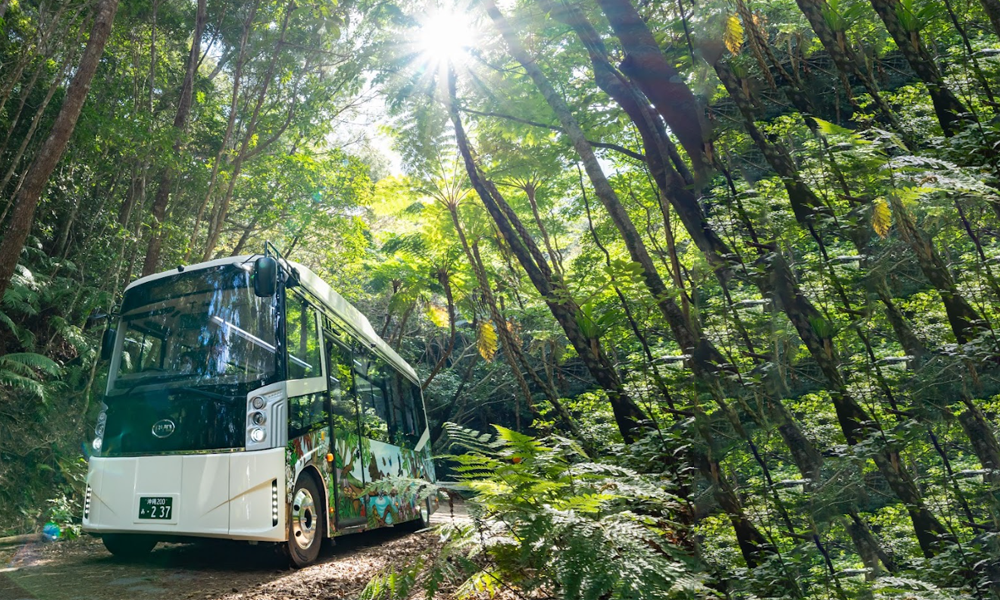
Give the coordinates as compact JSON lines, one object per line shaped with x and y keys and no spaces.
{"x":26,"y":363}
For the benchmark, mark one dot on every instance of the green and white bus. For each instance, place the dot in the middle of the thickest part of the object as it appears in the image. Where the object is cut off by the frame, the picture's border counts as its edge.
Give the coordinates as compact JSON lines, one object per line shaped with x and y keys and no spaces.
{"x":247,"y":400}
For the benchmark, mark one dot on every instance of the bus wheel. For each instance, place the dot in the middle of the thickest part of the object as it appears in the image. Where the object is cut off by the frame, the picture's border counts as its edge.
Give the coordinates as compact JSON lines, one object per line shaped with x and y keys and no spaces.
{"x":306,"y":527}
{"x":129,"y":546}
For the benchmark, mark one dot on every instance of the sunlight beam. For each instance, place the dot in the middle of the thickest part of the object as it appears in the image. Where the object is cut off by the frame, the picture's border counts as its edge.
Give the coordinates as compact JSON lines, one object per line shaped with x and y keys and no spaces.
{"x":445,"y":37}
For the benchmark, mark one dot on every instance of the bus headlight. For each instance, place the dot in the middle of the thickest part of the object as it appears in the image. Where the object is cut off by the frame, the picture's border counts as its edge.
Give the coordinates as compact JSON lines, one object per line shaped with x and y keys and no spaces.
{"x":258,"y":418}
{"x":257,"y":402}
{"x":97,"y":444}
{"x":257,"y":435}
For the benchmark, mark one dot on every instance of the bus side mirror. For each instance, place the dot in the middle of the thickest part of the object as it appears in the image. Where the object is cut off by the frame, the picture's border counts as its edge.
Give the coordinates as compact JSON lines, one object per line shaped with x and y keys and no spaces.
{"x":107,"y":343}
{"x":265,"y":277}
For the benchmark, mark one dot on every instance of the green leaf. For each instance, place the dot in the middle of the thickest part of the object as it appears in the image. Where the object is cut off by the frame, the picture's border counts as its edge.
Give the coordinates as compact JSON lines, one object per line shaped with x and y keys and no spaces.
{"x":831,"y":129}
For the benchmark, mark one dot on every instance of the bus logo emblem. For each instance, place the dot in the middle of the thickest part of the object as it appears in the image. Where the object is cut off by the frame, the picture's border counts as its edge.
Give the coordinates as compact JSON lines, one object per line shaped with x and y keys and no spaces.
{"x":163,"y":428}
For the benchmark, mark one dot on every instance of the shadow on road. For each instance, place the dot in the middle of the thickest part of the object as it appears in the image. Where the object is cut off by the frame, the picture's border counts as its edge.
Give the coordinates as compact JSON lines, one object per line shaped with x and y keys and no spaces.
{"x":84,"y":570}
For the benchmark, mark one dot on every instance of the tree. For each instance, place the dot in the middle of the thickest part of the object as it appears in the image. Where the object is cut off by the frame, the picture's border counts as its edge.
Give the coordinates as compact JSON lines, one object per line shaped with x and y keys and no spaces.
{"x":45,"y":162}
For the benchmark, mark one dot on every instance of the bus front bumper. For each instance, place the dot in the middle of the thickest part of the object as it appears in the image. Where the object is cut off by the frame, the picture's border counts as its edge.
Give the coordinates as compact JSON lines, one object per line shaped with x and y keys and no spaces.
{"x":236,"y":495}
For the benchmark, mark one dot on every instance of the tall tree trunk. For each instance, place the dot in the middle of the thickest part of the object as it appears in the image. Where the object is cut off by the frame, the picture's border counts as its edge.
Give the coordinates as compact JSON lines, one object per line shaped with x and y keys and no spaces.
{"x":218,"y":219}
{"x":659,"y":80}
{"x":627,"y":414}
{"x":15,"y":161}
{"x":530,"y":189}
{"x":965,"y":321}
{"x":804,"y":201}
{"x":52,"y":150}
{"x":656,"y":144}
{"x":854,"y":421}
{"x":444,"y":278}
{"x":705,"y":356}
{"x":703,"y":353}
{"x":947,"y":107}
{"x":151,"y":263}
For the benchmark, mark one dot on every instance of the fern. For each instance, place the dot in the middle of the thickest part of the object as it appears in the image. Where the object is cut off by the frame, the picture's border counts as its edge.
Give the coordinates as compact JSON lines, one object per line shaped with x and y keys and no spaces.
{"x":549,"y":520}
{"x":25,"y":371}
{"x":393,"y":583}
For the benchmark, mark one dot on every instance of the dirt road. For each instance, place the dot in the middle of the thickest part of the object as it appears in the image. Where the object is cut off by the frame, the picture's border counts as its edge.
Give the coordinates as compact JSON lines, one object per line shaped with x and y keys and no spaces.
{"x":214,"y":570}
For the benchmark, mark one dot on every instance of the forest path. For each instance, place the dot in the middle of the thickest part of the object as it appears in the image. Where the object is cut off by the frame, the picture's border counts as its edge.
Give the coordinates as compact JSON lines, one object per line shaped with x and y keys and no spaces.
{"x":214,"y":570}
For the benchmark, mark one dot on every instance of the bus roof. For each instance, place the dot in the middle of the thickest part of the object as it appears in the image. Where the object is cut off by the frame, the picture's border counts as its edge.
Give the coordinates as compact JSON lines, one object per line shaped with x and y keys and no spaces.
{"x":354,"y":319}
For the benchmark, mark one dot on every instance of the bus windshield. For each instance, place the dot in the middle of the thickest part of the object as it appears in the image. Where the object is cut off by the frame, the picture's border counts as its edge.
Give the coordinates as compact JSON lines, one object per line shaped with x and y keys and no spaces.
{"x":204,"y":327}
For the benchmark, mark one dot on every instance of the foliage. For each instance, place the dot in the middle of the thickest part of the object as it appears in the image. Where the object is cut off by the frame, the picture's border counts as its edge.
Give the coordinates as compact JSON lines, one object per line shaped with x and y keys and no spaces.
{"x":548,"y":519}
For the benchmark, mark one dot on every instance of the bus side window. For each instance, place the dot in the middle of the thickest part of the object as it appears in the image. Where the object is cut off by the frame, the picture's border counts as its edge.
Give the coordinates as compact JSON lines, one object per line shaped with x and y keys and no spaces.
{"x":306,"y":413}
{"x":303,"y":338}
{"x":343,"y":408}
{"x":416,"y":404}
{"x":371,"y":397}
{"x":400,"y":430}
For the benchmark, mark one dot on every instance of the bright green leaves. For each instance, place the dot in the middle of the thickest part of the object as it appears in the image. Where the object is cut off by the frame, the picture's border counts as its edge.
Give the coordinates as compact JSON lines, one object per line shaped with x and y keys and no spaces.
{"x":438,"y":315}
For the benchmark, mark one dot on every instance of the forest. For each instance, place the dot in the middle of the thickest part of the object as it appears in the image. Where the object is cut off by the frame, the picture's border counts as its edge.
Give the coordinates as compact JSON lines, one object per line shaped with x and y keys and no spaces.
{"x":704,"y":294}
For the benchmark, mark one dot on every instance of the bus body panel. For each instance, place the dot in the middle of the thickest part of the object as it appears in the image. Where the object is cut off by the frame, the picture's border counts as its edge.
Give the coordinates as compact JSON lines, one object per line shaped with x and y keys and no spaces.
{"x":309,"y":451}
{"x":241,"y":509}
{"x":252,"y":476}
{"x":386,"y":461}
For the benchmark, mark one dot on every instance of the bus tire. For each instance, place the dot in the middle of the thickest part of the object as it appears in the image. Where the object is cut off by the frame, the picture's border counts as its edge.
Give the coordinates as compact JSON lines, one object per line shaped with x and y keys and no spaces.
{"x":306,"y":523}
{"x":128,"y":546}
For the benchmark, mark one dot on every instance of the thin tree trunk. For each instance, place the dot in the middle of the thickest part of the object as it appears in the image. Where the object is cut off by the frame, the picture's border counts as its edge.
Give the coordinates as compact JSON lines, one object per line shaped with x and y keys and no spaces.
{"x":854,"y":421}
{"x":219,"y":216}
{"x":445,"y":280}
{"x":52,"y":150}
{"x":992,"y":10}
{"x":530,"y":189}
{"x":230,"y":124}
{"x":804,"y":202}
{"x":705,"y":356}
{"x":673,"y":183}
{"x":472,"y":255}
{"x":965,"y":321}
{"x":39,"y":113}
{"x":947,"y":107}
{"x":152,"y":260}
{"x":28,"y":53}
{"x":836,"y":44}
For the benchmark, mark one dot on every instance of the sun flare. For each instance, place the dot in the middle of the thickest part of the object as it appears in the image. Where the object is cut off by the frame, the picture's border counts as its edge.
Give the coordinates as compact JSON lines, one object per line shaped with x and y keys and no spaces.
{"x":445,"y":36}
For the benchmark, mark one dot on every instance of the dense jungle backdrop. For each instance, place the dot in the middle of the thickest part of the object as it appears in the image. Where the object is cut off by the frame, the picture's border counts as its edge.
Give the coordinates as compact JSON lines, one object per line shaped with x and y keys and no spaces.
{"x":725,"y":272}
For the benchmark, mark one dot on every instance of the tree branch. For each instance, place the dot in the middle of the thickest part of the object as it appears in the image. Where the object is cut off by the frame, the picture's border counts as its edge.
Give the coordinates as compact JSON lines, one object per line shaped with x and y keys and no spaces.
{"x":615,"y":147}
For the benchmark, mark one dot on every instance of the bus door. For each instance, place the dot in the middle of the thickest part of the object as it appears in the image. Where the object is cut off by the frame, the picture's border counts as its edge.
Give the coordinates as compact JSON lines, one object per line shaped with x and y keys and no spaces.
{"x":347,"y":465}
